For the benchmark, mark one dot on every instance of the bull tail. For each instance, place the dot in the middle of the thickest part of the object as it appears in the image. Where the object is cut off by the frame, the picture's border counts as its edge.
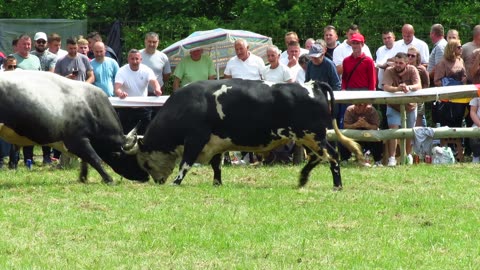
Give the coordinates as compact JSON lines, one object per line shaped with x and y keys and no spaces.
{"x":351,"y":145}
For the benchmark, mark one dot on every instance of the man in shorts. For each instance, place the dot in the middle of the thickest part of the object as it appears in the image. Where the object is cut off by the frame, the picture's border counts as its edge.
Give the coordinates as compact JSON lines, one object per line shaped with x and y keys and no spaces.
{"x":401,"y":77}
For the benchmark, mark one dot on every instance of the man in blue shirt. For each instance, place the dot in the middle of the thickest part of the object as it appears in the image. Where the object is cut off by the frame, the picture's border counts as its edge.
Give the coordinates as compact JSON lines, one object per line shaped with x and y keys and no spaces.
{"x":104,"y":69}
{"x":322,"y":69}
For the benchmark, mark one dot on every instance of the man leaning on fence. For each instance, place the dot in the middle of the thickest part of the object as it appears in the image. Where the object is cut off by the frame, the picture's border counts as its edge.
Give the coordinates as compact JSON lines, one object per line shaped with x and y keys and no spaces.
{"x":402,"y":77}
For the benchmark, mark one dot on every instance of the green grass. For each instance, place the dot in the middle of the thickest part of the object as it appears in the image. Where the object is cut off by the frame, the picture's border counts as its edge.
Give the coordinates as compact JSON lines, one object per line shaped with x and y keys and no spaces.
{"x":411,"y":217}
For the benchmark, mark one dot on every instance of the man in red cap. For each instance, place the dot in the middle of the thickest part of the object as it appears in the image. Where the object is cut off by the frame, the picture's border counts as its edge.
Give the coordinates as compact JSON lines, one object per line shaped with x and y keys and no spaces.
{"x":358,"y":74}
{"x":358,"y":68}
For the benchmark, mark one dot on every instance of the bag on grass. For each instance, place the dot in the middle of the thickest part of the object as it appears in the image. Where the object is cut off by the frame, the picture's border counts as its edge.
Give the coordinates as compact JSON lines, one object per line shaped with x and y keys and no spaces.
{"x":442,"y":155}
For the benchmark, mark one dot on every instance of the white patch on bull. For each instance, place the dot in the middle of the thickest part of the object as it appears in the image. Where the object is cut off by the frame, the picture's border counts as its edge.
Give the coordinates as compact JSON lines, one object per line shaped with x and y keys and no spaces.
{"x":12,"y":137}
{"x":217,"y":145}
{"x":309,"y":86}
{"x":9,"y":135}
{"x":325,"y":156}
{"x":281,"y":133}
{"x":217,"y":93}
{"x":183,"y":171}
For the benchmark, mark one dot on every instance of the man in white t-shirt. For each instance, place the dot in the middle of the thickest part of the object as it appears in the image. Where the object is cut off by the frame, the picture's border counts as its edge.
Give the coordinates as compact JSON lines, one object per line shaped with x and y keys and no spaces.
{"x":245,"y":65}
{"x":294,"y":51}
{"x":385,"y":55}
{"x":276,"y":72}
{"x":133,"y":80}
{"x":289,"y":37}
{"x":345,"y":49}
{"x":409,"y":40}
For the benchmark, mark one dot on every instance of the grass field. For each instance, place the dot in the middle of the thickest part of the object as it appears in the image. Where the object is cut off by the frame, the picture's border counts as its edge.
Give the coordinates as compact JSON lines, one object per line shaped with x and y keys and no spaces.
{"x":410,"y":217}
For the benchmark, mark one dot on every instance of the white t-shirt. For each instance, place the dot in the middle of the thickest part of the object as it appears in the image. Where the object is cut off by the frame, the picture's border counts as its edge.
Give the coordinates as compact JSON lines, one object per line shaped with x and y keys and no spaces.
{"x":135,"y":83}
{"x":383,"y":54}
{"x":294,"y":71}
{"x":344,"y":50}
{"x":300,"y":77}
{"x":60,"y":53}
{"x":421,"y":46}
{"x":250,"y":69}
{"x":158,"y":62}
{"x":278,"y":74}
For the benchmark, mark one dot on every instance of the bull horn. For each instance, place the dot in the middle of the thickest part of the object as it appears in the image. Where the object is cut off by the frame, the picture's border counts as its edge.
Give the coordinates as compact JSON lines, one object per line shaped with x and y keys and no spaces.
{"x":130,"y":141}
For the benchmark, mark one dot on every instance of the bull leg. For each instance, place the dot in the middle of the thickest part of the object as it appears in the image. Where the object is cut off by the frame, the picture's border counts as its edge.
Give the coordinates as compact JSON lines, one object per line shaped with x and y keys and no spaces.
{"x":313,"y":161}
{"x":335,"y":167}
{"x":329,"y":154}
{"x":215,"y":162}
{"x":83,"y":171}
{"x":84,"y":150}
{"x":192,"y":148}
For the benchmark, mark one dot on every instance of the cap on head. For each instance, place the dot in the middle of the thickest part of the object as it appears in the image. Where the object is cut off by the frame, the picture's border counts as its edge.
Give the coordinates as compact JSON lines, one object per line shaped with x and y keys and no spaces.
{"x":40,"y":35}
{"x":358,"y":37}
{"x":316,"y":50}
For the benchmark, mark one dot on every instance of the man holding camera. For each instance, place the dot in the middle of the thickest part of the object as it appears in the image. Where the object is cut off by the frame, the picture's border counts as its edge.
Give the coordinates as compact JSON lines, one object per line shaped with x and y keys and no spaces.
{"x":74,"y":65}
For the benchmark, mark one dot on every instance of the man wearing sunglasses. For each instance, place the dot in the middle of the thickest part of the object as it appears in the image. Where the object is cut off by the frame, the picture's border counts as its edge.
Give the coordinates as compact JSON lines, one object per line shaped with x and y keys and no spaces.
{"x":47,"y":63}
{"x":47,"y":59}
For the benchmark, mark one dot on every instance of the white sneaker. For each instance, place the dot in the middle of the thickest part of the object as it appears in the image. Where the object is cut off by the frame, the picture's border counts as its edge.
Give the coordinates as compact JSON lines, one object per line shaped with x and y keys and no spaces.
{"x":409,"y":159}
{"x":476,"y":160}
{"x":392,"y":162}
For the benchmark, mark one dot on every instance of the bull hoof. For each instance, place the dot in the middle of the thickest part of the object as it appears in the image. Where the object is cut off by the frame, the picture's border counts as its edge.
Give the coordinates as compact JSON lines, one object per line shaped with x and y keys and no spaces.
{"x":339,"y":188}
{"x":217,"y":183}
{"x":176,"y":183}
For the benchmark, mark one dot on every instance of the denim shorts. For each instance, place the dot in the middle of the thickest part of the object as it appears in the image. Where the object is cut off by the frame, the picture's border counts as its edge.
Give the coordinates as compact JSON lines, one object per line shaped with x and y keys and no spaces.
{"x":393,"y":117}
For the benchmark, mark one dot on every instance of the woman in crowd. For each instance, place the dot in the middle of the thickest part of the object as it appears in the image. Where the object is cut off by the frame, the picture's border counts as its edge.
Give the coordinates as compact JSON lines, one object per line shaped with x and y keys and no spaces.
{"x":451,"y":71}
{"x":414,"y":60}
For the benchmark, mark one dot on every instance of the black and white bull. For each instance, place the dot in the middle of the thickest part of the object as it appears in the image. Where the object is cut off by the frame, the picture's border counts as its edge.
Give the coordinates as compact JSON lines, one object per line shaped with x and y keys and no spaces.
{"x":74,"y":117}
{"x":204,"y":119}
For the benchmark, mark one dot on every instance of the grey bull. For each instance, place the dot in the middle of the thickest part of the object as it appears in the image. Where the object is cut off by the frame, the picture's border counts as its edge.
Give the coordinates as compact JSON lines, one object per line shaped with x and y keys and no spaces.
{"x":42,"y":108}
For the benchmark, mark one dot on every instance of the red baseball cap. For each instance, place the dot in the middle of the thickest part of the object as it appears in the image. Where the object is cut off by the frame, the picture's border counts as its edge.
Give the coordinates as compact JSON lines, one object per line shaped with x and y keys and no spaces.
{"x":358,"y":37}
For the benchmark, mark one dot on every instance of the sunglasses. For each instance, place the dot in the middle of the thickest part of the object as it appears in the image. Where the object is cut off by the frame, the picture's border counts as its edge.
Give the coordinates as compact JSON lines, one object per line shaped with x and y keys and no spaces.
{"x":11,"y":66}
{"x":41,"y":41}
{"x":411,"y":55}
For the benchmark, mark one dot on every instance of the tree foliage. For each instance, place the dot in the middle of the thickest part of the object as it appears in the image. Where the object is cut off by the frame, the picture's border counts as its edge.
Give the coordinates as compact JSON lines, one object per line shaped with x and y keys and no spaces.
{"x":175,"y":19}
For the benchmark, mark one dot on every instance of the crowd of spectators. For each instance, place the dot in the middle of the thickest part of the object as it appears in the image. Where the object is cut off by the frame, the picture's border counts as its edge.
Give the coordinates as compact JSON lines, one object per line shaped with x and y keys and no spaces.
{"x":401,"y":65}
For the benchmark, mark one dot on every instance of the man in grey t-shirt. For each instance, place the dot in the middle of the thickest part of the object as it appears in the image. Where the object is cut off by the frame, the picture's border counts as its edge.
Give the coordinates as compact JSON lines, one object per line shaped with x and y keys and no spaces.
{"x":74,"y":65}
{"x":156,"y":60}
